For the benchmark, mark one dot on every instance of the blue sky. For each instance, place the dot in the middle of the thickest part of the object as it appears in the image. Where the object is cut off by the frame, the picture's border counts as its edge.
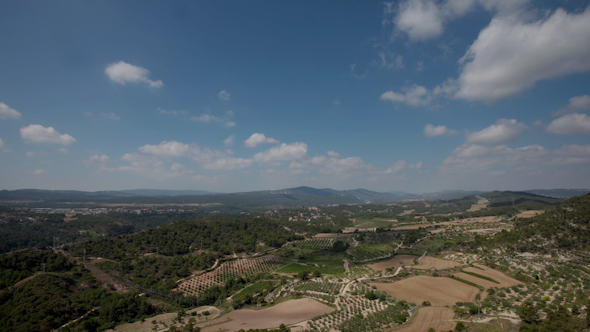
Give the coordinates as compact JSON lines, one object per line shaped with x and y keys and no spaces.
{"x":227,"y":96}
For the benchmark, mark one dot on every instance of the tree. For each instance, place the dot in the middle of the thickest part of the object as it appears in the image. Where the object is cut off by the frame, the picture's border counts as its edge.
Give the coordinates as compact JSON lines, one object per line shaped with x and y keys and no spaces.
{"x":303,"y":275}
{"x":460,"y":326}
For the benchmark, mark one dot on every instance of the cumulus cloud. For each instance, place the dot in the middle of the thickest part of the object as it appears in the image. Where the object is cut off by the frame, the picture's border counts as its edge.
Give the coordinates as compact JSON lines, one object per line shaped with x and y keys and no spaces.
{"x":169,"y":149}
{"x":122,"y":72}
{"x":229,"y":141}
{"x":38,"y":134}
{"x":420,"y":19}
{"x":571,"y":124}
{"x":504,"y":131}
{"x":510,"y":56}
{"x":470,"y":158}
{"x":426,"y":19}
{"x":417,"y":165}
{"x":223,"y":95}
{"x":283,"y":152}
{"x":415,"y":95}
{"x":152,"y":167}
{"x":7,"y":112}
{"x":100,"y":158}
{"x":39,"y":172}
{"x":110,"y":116}
{"x":579,"y":103}
{"x":3,"y":148}
{"x":432,"y":131}
{"x":208,"y":118}
{"x":259,"y":138}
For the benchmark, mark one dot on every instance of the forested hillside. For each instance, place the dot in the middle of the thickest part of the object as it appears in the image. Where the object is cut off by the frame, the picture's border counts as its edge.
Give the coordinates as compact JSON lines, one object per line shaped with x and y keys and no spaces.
{"x":64,"y":292}
{"x":567,"y":226}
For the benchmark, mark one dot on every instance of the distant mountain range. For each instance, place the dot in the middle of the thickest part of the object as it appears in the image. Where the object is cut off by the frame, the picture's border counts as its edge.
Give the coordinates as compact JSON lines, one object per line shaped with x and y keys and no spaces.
{"x":292,"y":197}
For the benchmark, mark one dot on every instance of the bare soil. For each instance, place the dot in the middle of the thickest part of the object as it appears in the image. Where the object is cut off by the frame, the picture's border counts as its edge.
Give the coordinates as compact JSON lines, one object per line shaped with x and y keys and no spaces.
{"x":395,"y":262}
{"x":288,"y":313}
{"x":441,"y":319}
{"x":428,"y":262}
{"x":439,"y":291}
{"x":504,"y":280}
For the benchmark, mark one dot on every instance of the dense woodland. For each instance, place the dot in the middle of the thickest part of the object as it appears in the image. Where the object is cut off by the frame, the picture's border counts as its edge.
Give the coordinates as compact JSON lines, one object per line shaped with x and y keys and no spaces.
{"x":64,"y":292}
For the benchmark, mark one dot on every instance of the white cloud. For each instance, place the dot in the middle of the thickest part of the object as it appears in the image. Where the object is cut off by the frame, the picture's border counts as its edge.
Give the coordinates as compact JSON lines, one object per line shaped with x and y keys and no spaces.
{"x":224,"y":95}
{"x":207,"y":118}
{"x":571,"y":124}
{"x":425,"y":19}
{"x":470,"y":158}
{"x":336,"y":102}
{"x":578,"y":103}
{"x":62,"y":150}
{"x":97,"y":158}
{"x":259,"y":138}
{"x":420,"y":19}
{"x":418,"y":165}
{"x":38,"y":134}
{"x":432,"y":131}
{"x":7,"y":112}
{"x":227,"y":163}
{"x":151,"y":167}
{"x":169,"y":149}
{"x":394,"y":168}
{"x":123,"y":73}
{"x":39,"y":172}
{"x":30,"y":153}
{"x":504,"y":131}
{"x":284,"y":152}
{"x":415,"y":95}
{"x":173,"y":112}
{"x":110,"y":116}
{"x":333,"y":154}
{"x":390,"y":60}
{"x":510,"y":56}
{"x":229,"y":141}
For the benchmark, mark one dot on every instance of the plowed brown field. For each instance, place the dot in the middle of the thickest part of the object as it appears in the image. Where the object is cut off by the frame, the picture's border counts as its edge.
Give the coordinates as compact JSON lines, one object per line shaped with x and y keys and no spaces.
{"x":504,"y":280}
{"x":439,"y":291}
{"x":290,"y":312}
{"x":441,"y":319}
{"x":435,"y":263}
{"x":395,"y":262}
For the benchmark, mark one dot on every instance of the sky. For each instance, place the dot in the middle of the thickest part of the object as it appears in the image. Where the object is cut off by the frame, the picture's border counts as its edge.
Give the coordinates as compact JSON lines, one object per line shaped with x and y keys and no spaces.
{"x":232,"y":96}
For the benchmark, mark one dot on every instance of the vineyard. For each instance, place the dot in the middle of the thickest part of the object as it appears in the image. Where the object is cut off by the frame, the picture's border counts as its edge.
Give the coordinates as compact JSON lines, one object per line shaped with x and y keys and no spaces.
{"x":229,"y":270}
{"x":331,"y":288}
{"x":358,"y":310}
{"x":325,"y":243}
{"x":364,"y":253}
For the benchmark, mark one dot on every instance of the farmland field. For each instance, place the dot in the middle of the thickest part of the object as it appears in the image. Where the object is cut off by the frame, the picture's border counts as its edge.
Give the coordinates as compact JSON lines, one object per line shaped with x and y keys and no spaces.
{"x":504,"y":280}
{"x":289,"y":312}
{"x":323,"y":266}
{"x":233,"y":269}
{"x":397,"y":261}
{"x":428,"y":262}
{"x":441,"y":319}
{"x":439,"y":291}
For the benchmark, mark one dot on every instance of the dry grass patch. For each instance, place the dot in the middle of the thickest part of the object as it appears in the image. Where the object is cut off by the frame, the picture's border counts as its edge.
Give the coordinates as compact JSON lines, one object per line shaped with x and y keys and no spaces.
{"x":529,"y":214}
{"x":441,"y":319}
{"x":428,"y":262}
{"x":395,"y":262}
{"x":288,"y":313}
{"x":439,"y":291}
